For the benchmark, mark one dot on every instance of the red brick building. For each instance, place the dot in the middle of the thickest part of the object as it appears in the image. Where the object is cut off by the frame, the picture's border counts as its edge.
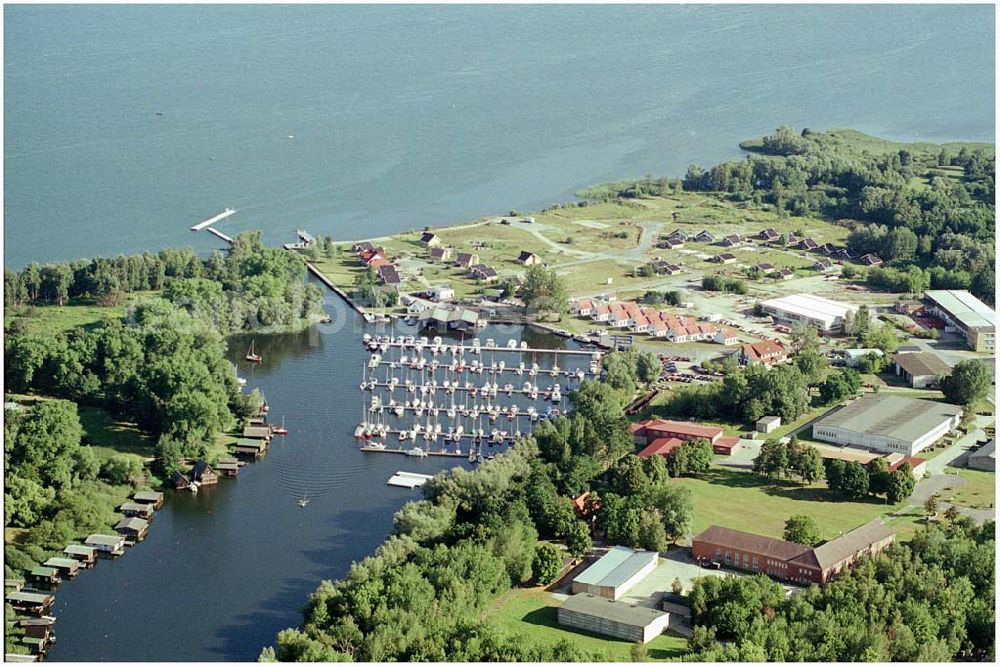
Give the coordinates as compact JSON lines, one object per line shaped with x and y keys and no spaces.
{"x":662,"y":436}
{"x":789,"y":561}
{"x":765,"y":352}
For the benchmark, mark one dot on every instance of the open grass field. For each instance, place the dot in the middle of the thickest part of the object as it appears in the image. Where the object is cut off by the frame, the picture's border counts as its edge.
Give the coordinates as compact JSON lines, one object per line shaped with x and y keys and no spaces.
{"x":531,"y":613}
{"x":978,"y":493}
{"x":57,"y":319}
{"x":744,"y":501}
{"x":109,"y":436}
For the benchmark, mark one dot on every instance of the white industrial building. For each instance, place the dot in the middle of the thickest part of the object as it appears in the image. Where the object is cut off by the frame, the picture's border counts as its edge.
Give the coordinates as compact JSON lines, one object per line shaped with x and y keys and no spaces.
{"x":967,"y":315}
{"x":814,"y":311}
{"x":614,"y":573}
{"x":888,"y":423}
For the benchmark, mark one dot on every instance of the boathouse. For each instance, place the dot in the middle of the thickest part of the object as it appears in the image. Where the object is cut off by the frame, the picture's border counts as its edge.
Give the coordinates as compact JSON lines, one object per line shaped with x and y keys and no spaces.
{"x":109,"y":546}
{"x":67,"y":567}
{"x":141,"y":510}
{"x":228,"y":467}
{"x":204,"y":474}
{"x":154,"y":498}
{"x":30,"y":603}
{"x":44,"y":577}
{"x":250,"y":447}
{"x":180,"y":481}
{"x":86,"y":556}
{"x":260,"y":432}
{"x":132,"y":529}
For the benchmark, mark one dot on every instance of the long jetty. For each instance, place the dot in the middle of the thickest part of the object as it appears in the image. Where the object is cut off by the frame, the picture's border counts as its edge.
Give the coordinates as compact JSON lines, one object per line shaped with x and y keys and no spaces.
{"x":322,"y":277}
{"x":211,"y":221}
{"x":224,"y":237}
{"x":378,"y":342}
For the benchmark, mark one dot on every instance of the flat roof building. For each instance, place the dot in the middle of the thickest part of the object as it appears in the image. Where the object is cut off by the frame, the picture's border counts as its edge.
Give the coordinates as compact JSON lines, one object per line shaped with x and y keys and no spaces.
{"x":631,"y":622}
{"x":888,"y":423}
{"x":615,"y":572}
{"x":967,"y":315}
{"x":815,"y":311}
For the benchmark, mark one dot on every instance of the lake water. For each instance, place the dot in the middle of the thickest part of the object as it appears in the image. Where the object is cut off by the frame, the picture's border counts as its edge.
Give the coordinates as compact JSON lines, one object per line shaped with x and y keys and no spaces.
{"x":411,"y":116}
{"x":224,"y":570}
{"x":401,"y":117}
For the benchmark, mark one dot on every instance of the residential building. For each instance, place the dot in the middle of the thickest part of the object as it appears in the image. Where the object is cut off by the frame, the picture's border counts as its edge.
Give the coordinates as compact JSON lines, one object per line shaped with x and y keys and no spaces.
{"x":660,"y":447}
{"x":726,"y":337}
{"x":724,"y":258}
{"x":440,"y":254}
{"x":430,"y":239}
{"x":764,"y":352}
{"x":764,"y":268}
{"x":870,"y":260}
{"x":388,"y":275}
{"x":529,"y":258}
{"x":583,"y":308}
{"x":808,"y":244}
{"x":770,"y":235}
{"x":615,"y":572}
{"x":967,"y":315}
{"x":920,"y":369}
{"x":790,"y":561}
{"x":440,"y":293}
{"x":823,"y":264}
{"x":466,"y":260}
{"x":783,"y":273}
{"x":705,"y":236}
{"x":825,"y":315}
{"x":483,"y":273}
{"x":593,"y":614}
{"x":888,"y":423}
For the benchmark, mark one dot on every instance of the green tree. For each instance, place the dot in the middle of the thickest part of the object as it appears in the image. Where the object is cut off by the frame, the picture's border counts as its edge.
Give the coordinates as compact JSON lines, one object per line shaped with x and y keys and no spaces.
{"x":854,"y":483}
{"x":968,"y":382}
{"x":802,"y":529}
{"x":543,"y":291}
{"x":901,"y":484}
{"x":547,"y":563}
{"x":578,"y":539}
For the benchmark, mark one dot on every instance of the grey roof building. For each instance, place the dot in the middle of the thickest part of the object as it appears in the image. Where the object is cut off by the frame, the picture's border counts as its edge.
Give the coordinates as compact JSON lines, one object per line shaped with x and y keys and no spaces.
{"x":920,"y":369}
{"x":615,"y":572}
{"x":984,"y":458}
{"x":592,"y":613}
{"x":888,"y":423}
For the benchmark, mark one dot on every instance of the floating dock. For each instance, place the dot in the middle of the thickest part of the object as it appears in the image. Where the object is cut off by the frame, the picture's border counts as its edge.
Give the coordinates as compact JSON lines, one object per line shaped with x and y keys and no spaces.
{"x":227,"y":239}
{"x":211,"y":221}
{"x":408,"y":480}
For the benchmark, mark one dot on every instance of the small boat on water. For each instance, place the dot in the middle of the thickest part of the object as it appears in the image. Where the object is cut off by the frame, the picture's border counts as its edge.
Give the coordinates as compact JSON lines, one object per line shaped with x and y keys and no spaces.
{"x":280,"y":430}
{"x":252,"y":356}
{"x":303,"y":501}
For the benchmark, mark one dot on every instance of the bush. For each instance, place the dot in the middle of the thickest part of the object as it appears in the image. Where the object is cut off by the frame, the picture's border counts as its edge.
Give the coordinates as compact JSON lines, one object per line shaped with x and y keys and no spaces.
{"x":547,"y":564}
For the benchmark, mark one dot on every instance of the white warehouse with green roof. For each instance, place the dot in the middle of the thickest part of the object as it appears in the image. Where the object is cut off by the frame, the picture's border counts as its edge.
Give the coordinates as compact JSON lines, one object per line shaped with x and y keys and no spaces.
{"x":964,"y":313}
{"x":614,"y":573}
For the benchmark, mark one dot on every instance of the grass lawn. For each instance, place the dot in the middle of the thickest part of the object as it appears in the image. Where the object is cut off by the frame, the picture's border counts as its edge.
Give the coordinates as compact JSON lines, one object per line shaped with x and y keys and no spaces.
{"x":108,"y":435}
{"x":57,"y":319}
{"x":531,"y":613}
{"x":744,"y":501}
{"x":978,"y":493}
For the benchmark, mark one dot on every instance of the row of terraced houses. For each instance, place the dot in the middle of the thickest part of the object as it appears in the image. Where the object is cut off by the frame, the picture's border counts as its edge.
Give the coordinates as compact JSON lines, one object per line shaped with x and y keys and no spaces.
{"x":660,"y":324}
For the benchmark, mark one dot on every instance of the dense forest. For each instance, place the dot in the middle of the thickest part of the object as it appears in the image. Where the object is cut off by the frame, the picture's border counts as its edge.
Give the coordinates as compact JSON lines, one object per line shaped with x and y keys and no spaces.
{"x":249,"y":287}
{"x":927,"y":211}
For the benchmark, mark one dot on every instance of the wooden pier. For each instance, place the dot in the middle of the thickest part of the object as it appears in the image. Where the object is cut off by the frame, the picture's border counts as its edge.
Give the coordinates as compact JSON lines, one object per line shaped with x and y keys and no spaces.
{"x":378,"y":342}
{"x":224,"y":237}
{"x":427,"y":452}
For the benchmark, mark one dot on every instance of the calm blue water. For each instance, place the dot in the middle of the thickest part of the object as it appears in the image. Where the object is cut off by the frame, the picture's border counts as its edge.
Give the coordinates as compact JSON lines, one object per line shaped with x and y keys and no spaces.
{"x":409,"y":116}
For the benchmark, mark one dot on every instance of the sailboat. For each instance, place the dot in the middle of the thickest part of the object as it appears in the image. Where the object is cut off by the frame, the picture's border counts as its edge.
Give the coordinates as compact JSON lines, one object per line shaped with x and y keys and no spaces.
{"x":280,"y":430}
{"x":303,"y":501}
{"x":252,"y":356}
